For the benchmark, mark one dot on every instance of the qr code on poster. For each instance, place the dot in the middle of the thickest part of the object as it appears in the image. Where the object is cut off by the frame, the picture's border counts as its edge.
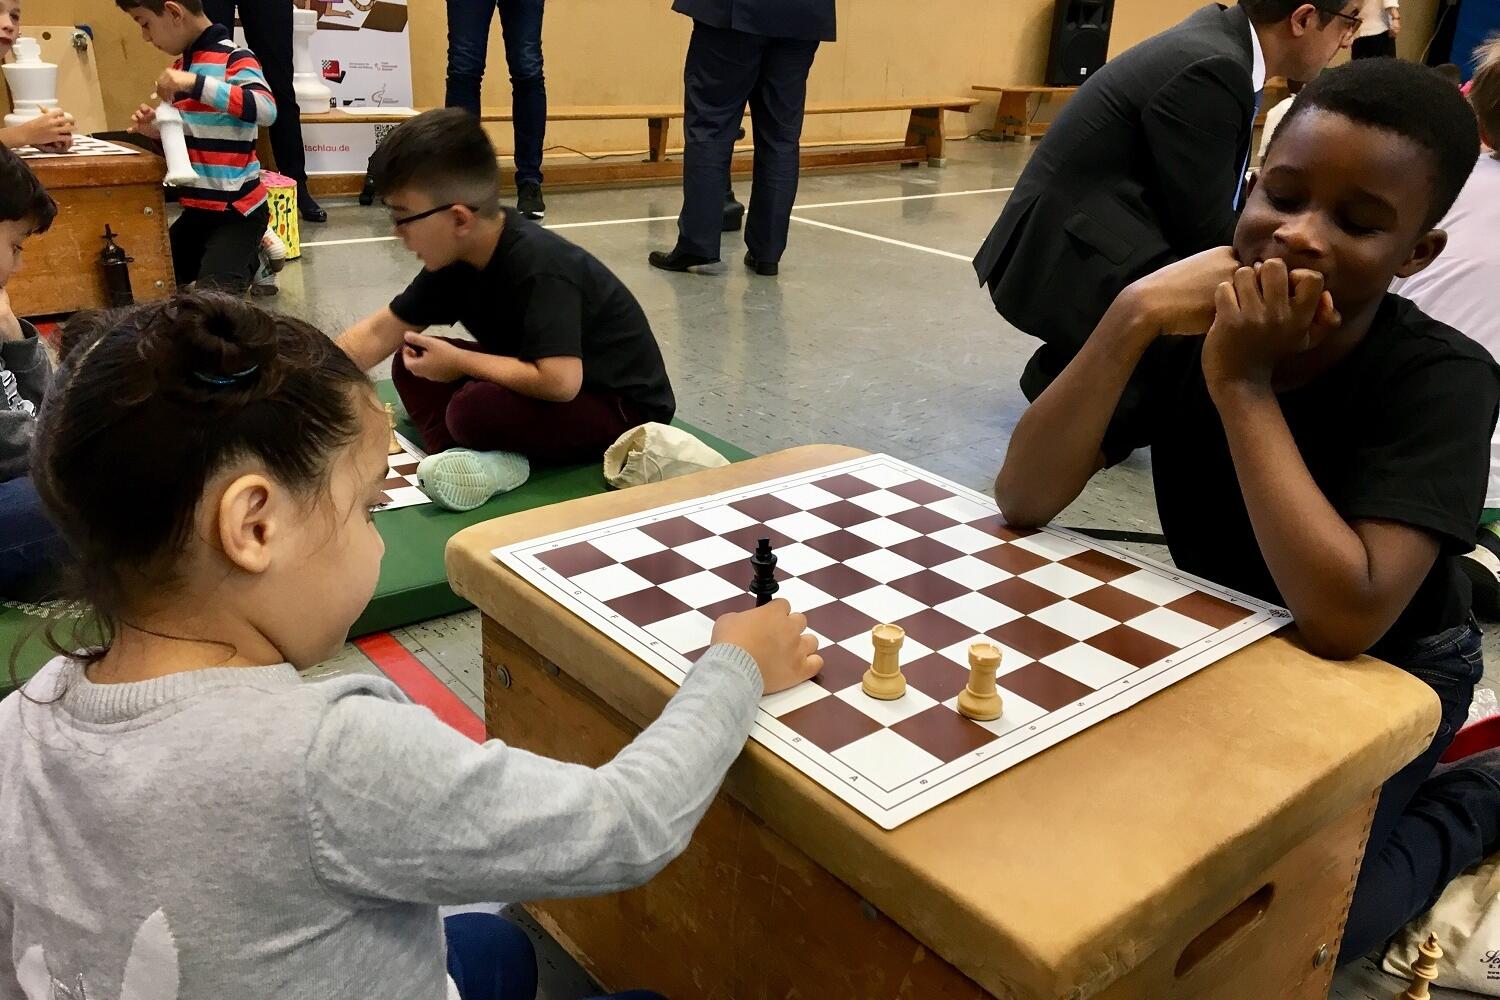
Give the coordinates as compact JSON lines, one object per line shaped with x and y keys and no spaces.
{"x":381,"y":132}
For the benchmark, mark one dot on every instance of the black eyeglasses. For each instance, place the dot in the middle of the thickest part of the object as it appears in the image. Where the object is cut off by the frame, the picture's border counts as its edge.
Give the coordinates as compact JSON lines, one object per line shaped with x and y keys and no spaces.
{"x":398,"y":223}
{"x":1354,"y":21}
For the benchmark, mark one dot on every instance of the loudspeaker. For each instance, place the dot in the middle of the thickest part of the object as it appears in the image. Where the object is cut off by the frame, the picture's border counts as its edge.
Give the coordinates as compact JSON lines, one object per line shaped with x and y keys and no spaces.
{"x":1080,"y":40}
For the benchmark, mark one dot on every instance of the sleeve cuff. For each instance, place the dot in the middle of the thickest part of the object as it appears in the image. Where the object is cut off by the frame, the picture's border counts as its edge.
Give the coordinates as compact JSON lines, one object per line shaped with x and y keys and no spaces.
{"x":25,"y":354}
{"x":735,"y":660}
{"x":197,"y":91}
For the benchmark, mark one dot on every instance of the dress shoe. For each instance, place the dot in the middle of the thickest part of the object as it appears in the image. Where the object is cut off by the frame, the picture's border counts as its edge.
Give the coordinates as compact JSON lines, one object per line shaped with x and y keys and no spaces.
{"x":678,"y":260}
{"x":764,"y":268}
{"x":307,"y":207}
{"x":734,"y":216}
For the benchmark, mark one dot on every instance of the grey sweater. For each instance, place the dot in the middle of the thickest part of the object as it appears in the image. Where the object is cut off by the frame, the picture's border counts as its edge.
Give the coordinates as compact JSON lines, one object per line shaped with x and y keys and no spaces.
{"x":24,"y":374}
{"x":239,"y":833}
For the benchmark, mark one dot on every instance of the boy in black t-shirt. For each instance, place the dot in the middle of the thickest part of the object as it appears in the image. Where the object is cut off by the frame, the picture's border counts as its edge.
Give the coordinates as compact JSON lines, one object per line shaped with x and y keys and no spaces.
{"x":1325,"y":445}
{"x":563,"y":362}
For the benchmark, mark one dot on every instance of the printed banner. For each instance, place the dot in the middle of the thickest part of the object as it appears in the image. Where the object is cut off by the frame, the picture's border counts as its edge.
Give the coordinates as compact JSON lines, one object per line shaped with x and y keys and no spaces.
{"x":363,"y":49}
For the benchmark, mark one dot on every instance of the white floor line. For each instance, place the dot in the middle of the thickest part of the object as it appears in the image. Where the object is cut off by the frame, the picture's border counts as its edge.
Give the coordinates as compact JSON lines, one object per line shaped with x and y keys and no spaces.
{"x":672,"y":218}
{"x":345,"y":243}
{"x":614,"y":222}
{"x":903,"y":197}
{"x":966,"y":258}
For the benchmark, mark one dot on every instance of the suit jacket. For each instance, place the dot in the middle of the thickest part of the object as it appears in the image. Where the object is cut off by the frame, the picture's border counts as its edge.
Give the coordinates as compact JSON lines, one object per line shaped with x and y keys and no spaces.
{"x":1140,"y":169}
{"x":806,"y":20}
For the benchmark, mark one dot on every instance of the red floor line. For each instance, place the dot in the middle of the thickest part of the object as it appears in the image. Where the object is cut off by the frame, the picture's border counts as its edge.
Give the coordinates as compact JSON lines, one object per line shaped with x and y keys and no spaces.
{"x":420,"y":684}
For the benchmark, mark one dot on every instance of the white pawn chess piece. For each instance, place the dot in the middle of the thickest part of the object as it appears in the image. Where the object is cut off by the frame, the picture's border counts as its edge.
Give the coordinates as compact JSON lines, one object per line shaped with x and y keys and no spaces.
{"x":174,"y":144}
{"x":313,"y":95}
{"x":33,"y":83}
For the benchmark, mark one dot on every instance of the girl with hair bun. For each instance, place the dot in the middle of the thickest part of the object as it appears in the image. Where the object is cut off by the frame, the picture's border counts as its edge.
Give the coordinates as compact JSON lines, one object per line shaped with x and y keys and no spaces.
{"x":184,"y":817}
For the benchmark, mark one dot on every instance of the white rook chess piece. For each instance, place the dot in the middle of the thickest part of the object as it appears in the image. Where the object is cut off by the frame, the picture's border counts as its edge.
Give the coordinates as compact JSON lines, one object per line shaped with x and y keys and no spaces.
{"x":174,"y":145}
{"x":980,"y":698}
{"x":884,"y":679}
{"x":313,"y":95}
{"x":33,"y":83}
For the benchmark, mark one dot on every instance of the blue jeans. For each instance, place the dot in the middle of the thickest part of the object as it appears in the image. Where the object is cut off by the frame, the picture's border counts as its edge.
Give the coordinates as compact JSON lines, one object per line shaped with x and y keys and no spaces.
{"x":468,"y":48}
{"x":1431,"y":823}
{"x":31,"y":553}
{"x":491,"y":958}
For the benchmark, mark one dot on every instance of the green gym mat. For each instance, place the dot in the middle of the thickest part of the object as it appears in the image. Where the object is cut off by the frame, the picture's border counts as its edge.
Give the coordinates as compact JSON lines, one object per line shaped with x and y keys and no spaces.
{"x":413,"y":584}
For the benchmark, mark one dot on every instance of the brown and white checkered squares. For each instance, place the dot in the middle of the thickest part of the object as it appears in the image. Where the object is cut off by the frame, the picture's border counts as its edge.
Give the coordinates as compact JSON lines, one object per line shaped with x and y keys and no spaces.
{"x":1084,"y":631}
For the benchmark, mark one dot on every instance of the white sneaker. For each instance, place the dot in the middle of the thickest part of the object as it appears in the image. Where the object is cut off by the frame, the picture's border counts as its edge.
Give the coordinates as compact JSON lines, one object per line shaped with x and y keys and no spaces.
{"x":265,"y":279}
{"x":273,"y":250}
{"x":460,"y":479}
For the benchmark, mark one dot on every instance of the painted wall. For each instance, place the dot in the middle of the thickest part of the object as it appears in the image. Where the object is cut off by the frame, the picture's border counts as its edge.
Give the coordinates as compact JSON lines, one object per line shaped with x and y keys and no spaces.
{"x":630,"y":52}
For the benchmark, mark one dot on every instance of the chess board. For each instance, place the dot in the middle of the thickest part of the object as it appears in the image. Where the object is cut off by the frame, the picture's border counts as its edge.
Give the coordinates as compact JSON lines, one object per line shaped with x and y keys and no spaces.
{"x":1085,"y":631}
{"x":83,"y":145}
{"x":400,"y":487}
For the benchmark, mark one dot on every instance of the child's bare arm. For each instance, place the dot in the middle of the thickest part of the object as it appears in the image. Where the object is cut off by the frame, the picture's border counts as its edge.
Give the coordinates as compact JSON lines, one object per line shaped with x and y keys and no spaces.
{"x":1056,"y":445}
{"x":556,"y":380}
{"x":375,"y":338}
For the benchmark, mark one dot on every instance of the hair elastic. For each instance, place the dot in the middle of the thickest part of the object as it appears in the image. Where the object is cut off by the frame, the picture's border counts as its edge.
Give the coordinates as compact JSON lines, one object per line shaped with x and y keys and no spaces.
{"x":226,"y":380}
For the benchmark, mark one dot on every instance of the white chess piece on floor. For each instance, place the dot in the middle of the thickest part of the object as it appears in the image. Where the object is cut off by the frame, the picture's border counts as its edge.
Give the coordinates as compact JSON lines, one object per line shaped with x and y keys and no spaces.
{"x":313,"y":95}
{"x":33,"y":83}
{"x":174,"y":145}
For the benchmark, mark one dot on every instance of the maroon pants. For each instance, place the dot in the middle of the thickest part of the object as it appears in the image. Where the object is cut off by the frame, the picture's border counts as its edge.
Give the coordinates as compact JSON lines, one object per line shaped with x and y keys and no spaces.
{"x":483,"y":416}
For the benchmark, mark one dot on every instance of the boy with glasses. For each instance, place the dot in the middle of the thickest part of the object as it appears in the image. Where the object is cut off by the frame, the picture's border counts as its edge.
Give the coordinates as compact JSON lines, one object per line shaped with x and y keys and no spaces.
{"x":563,"y":359}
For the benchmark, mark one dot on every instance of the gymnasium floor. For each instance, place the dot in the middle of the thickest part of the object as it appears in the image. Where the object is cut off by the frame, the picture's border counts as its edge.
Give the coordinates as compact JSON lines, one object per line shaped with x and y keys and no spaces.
{"x":876,"y":335}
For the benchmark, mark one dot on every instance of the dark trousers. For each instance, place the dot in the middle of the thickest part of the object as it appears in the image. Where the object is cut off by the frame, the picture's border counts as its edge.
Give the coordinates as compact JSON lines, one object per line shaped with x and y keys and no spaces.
{"x":490,"y":958}
{"x":268,"y":33}
{"x":1429,"y":825}
{"x":1374,"y":47}
{"x":218,"y":250}
{"x":483,"y":416}
{"x":468,"y":46}
{"x":725,"y":69}
{"x":31,"y":553}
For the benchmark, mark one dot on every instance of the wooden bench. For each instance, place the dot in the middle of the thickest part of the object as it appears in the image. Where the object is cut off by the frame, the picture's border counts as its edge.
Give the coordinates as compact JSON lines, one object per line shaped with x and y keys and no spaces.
{"x":923,"y":141}
{"x":1014,"y":117}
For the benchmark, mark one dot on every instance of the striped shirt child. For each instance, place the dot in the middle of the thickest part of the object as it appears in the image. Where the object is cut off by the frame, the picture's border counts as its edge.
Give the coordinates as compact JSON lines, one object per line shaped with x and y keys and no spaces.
{"x":221,"y":115}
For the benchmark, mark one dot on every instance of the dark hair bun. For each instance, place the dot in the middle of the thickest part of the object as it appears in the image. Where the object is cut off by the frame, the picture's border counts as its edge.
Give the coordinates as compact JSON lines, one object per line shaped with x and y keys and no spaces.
{"x":210,"y":347}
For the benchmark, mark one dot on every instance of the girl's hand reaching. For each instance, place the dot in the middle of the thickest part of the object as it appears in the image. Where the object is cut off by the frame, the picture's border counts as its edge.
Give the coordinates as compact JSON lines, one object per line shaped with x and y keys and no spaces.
{"x":777,"y":639}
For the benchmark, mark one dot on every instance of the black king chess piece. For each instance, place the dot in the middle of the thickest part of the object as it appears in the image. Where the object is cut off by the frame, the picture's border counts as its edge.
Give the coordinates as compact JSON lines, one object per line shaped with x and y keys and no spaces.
{"x":763,"y":585}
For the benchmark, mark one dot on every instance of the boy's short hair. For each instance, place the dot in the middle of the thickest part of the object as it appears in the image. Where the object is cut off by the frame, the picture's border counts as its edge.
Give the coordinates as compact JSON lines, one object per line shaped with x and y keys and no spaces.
{"x":1403,"y":98}
{"x":1272,"y":11}
{"x":443,"y":153}
{"x":22,"y":195}
{"x":1485,"y":94}
{"x":157,"y":6}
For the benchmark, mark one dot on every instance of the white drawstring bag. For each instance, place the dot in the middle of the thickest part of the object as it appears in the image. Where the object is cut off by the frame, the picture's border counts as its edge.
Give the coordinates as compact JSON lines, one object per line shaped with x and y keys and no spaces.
{"x":654,"y":452}
{"x":1466,"y":921}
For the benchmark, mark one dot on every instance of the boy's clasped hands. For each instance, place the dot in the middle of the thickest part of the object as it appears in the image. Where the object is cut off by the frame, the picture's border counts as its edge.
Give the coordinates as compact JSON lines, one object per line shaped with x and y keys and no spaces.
{"x":1256,"y":316}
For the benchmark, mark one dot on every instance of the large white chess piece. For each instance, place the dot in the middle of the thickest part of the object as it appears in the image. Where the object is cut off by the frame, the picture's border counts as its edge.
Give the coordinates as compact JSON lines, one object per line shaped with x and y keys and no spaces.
{"x":33,"y":83}
{"x":174,"y":145}
{"x":313,"y":95}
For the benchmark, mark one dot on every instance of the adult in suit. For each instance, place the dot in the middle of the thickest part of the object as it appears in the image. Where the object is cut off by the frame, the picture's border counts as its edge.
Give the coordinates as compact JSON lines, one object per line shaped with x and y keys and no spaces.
{"x":268,"y":33}
{"x":756,"y":51}
{"x":1145,"y":165}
